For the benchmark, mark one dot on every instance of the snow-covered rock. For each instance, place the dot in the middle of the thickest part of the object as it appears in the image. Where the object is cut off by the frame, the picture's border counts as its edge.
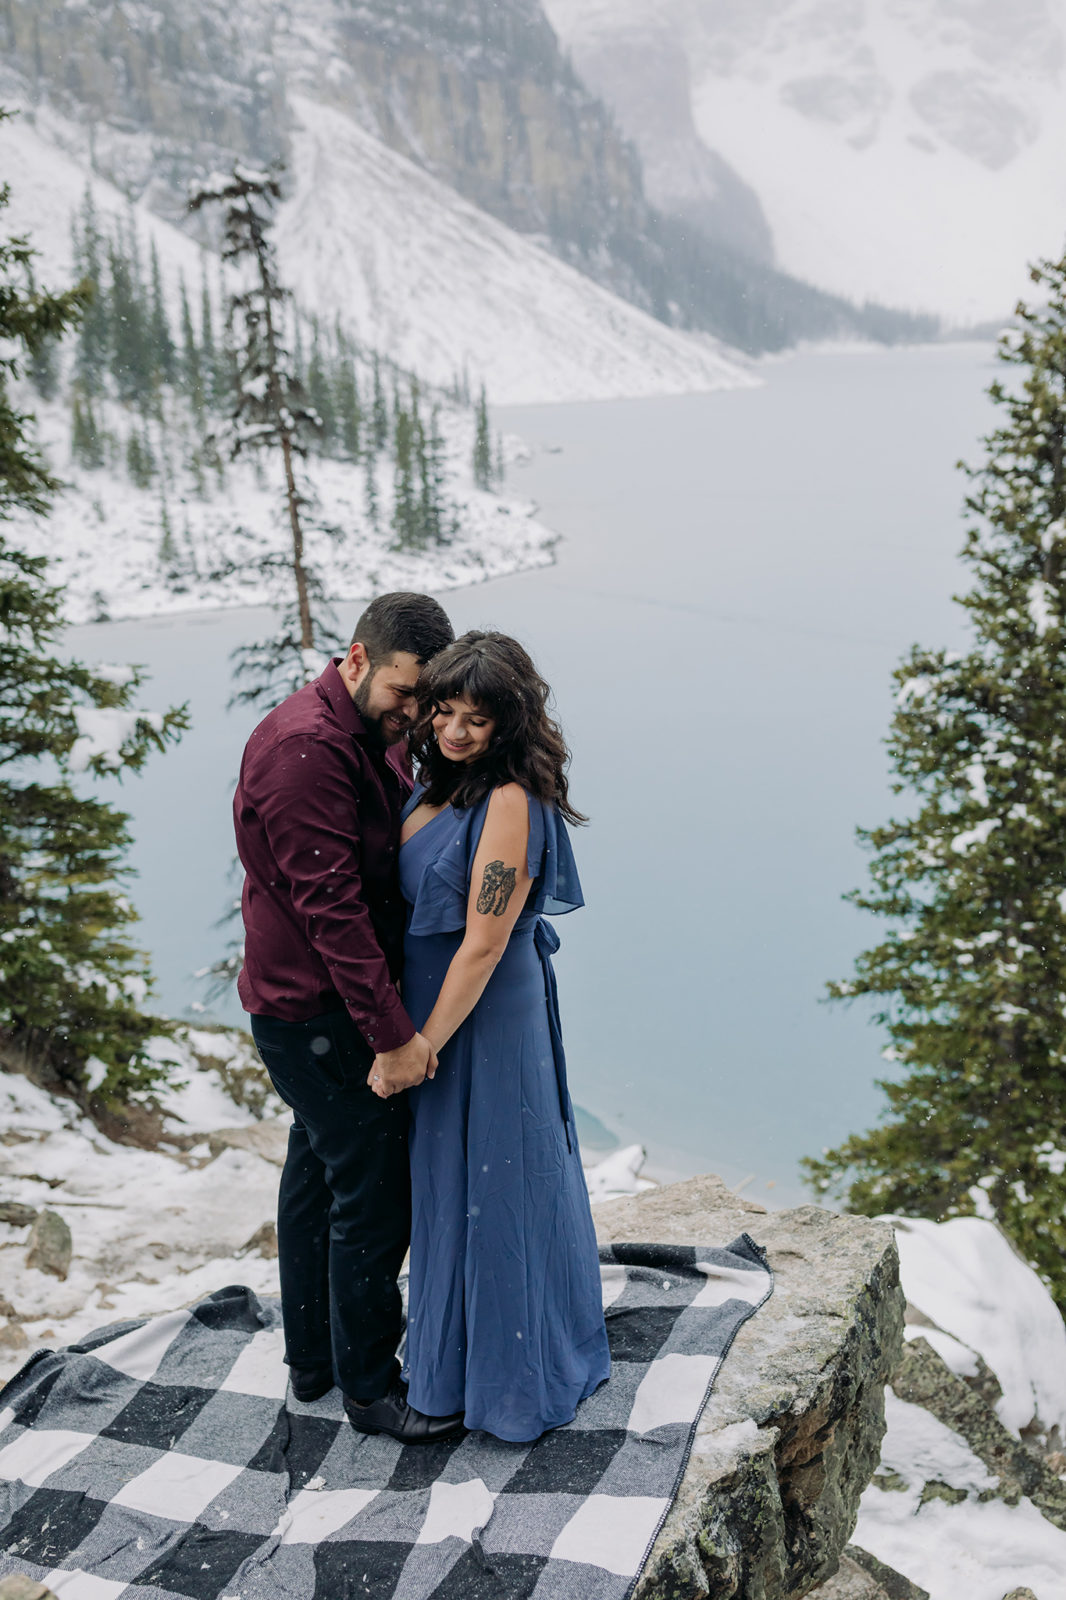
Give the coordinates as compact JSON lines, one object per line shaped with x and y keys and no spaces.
{"x":150,"y":1230}
{"x":618,"y":1175}
{"x":959,"y":1503}
{"x":790,"y":1435}
{"x":968,"y":1280}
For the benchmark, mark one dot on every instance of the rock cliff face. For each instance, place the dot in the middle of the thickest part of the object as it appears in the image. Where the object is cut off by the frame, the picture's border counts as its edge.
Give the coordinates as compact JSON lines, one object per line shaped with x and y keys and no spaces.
{"x":792,"y":1433}
{"x":161,"y":92}
{"x":482,"y":96}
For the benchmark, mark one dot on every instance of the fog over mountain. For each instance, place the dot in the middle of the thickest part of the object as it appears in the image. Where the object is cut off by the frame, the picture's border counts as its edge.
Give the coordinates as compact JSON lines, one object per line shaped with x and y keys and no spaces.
{"x":909,"y":151}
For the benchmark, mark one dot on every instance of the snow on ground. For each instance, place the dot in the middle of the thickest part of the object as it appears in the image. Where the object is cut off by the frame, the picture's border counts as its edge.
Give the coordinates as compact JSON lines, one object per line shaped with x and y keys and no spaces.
{"x":104,"y":535}
{"x":618,"y":1175}
{"x":965,"y":1276}
{"x":966,"y":1543}
{"x":155,"y":1230}
{"x":976,"y":1549}
{"x":152,"y":1229}
{"x":439,"y":285}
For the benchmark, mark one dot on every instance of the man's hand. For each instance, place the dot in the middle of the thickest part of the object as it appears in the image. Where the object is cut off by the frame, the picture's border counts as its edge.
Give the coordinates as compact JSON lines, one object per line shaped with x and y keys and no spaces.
{"x":396,"y":1070}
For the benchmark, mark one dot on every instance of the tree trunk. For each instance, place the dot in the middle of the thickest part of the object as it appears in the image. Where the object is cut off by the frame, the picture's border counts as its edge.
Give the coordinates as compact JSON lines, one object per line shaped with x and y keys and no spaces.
{"x":307,"y":638}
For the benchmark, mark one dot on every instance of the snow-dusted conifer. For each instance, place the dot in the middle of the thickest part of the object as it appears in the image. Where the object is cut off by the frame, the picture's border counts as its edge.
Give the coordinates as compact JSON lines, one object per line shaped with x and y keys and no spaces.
{"x":349,"y":410}
{"x":320,"y":391}
{"x":216,"y":376}
{"x":271,"y":412}
{"x":970,"y":979}
{"x":483,"y":463}
{"x":190,"y":364}
{"x":86,"y":445}
{"x":93,"y":349}
{"x":160,"y":339}
{"x":379,"y":410}
{"x":71,"y":985}
{"x":371,"y":501}
{"x":140,"y":462}
{"x":406,"y":522}
{"x":131,"y":350}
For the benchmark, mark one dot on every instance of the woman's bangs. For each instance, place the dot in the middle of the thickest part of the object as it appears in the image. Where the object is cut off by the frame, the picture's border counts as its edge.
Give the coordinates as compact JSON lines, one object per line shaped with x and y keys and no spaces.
{"x":471,"y":680}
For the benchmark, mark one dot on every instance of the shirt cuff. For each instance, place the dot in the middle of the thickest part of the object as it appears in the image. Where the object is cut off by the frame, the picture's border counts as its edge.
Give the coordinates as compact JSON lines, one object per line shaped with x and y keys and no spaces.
{"x":388,"y":1030}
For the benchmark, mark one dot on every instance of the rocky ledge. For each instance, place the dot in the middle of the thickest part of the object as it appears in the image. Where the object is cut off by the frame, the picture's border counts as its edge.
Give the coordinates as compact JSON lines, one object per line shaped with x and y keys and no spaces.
{"x":792,"y":1433}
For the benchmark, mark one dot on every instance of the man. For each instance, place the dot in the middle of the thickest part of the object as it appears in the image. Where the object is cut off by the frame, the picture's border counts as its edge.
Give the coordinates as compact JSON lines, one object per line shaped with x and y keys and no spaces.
{"x":317,"y":817}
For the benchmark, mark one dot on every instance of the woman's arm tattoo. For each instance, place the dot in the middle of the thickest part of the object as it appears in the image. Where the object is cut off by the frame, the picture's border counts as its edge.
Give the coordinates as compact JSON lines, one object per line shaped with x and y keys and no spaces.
{"x":497,"y":887}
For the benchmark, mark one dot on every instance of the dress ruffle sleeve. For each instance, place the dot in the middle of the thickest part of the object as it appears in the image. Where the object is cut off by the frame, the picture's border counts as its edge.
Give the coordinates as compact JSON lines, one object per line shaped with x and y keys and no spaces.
{"x":444,"y":888}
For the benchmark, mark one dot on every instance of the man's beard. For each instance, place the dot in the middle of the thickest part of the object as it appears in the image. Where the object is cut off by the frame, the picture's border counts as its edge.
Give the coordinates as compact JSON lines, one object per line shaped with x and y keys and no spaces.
{"x":373,"y":720}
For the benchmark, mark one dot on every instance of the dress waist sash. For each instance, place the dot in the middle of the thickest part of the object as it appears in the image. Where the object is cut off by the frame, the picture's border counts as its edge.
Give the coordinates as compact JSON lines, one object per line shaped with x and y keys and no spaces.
{"x":546,"y":943}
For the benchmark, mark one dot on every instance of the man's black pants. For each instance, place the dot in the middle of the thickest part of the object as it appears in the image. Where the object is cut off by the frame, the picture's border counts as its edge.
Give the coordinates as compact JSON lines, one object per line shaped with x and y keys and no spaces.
{"x":344,"y":1207}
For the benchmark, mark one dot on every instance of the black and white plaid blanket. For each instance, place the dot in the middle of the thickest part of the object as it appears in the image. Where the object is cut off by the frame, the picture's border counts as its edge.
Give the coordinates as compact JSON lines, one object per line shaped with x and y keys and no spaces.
{"x":162,"y":1461}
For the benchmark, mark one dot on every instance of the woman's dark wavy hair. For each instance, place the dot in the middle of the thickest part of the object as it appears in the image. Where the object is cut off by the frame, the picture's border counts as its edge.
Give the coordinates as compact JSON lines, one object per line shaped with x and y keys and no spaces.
{"x":495,"y":673}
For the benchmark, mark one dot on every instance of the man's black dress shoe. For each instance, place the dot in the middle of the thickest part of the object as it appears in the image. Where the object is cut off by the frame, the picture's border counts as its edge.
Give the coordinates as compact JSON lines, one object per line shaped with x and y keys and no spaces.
{"x":310,"y":1383}
{"x":392,"y":1415}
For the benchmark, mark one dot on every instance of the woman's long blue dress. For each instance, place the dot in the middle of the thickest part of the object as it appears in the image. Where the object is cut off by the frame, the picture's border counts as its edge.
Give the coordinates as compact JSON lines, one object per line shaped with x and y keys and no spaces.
{"x":505,"y":1320}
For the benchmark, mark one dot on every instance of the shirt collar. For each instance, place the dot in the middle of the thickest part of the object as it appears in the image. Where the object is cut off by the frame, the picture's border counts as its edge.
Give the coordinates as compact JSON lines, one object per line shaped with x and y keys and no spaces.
{"x":335,"y":690}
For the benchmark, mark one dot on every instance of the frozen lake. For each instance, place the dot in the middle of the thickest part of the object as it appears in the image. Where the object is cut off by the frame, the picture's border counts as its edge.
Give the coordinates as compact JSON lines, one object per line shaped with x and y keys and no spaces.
{"x":738,"y":576}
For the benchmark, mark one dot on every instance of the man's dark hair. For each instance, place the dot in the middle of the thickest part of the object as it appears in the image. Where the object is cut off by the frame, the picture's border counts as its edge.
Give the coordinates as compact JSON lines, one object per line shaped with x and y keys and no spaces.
{"x":413,"y":623}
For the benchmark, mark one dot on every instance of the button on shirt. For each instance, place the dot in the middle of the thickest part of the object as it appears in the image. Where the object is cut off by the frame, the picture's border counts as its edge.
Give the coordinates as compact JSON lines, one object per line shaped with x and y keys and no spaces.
{"x":317,"y":817}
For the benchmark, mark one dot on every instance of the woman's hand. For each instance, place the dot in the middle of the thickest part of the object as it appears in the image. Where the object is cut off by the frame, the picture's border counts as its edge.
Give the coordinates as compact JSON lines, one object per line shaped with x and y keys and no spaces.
{"x":403,"y":1068}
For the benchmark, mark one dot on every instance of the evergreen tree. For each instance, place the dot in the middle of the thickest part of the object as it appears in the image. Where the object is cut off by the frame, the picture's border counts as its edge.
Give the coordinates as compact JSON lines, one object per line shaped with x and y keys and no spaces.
{"x":432,"y":475}
{"x":970,"y":979}
{"x":482,"y":443}
{"x":190,"y":365}
{"x":320,"y":391}
{"x":406,"y":523}
{"x":42,"y":369}
{"x":164,"y":356}
{"x":216,"y":354}
{"x":92,"y":356}
{"x":379,"y":411}
{"x":140,"y":462}
{"x":168,"y":549}
{"x":132,"y":365}
{"x":348,"y":409}
{"x":71,"y":985}
{"x":370,"y":491}
{"x":271,"y":412}
{"x":86,"y":445}
{"x":42,"y":365}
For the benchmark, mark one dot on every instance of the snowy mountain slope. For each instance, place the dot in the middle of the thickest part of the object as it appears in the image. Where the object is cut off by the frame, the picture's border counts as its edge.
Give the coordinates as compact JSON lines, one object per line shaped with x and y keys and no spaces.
{"x":481,"y":96}
{"x":912,"y":151}
{"x":123,"y":549}
{"x":47,"y":167}
{"x":421,"y":273}
{"x":410,"y":267}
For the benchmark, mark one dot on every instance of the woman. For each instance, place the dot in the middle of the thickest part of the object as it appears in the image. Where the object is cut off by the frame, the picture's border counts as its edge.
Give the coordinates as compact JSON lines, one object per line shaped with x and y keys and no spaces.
{"x":505,"y":1322}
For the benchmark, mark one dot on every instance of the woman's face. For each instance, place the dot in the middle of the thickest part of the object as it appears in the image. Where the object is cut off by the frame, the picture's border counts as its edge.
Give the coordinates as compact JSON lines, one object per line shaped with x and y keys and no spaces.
{"x":463,"y":730}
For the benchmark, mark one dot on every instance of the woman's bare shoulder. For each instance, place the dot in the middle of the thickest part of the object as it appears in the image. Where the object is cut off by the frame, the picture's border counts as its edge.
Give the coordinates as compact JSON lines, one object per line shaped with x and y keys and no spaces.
{"x":509,"y":803}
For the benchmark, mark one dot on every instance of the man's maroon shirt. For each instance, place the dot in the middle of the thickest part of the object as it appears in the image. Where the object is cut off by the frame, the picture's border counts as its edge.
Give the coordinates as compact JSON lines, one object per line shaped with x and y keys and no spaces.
{"x":317,"y":816}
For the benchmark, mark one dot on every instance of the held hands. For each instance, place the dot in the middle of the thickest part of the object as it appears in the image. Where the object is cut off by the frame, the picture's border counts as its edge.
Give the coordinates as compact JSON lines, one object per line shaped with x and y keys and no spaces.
{"x":404,"y":1068}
